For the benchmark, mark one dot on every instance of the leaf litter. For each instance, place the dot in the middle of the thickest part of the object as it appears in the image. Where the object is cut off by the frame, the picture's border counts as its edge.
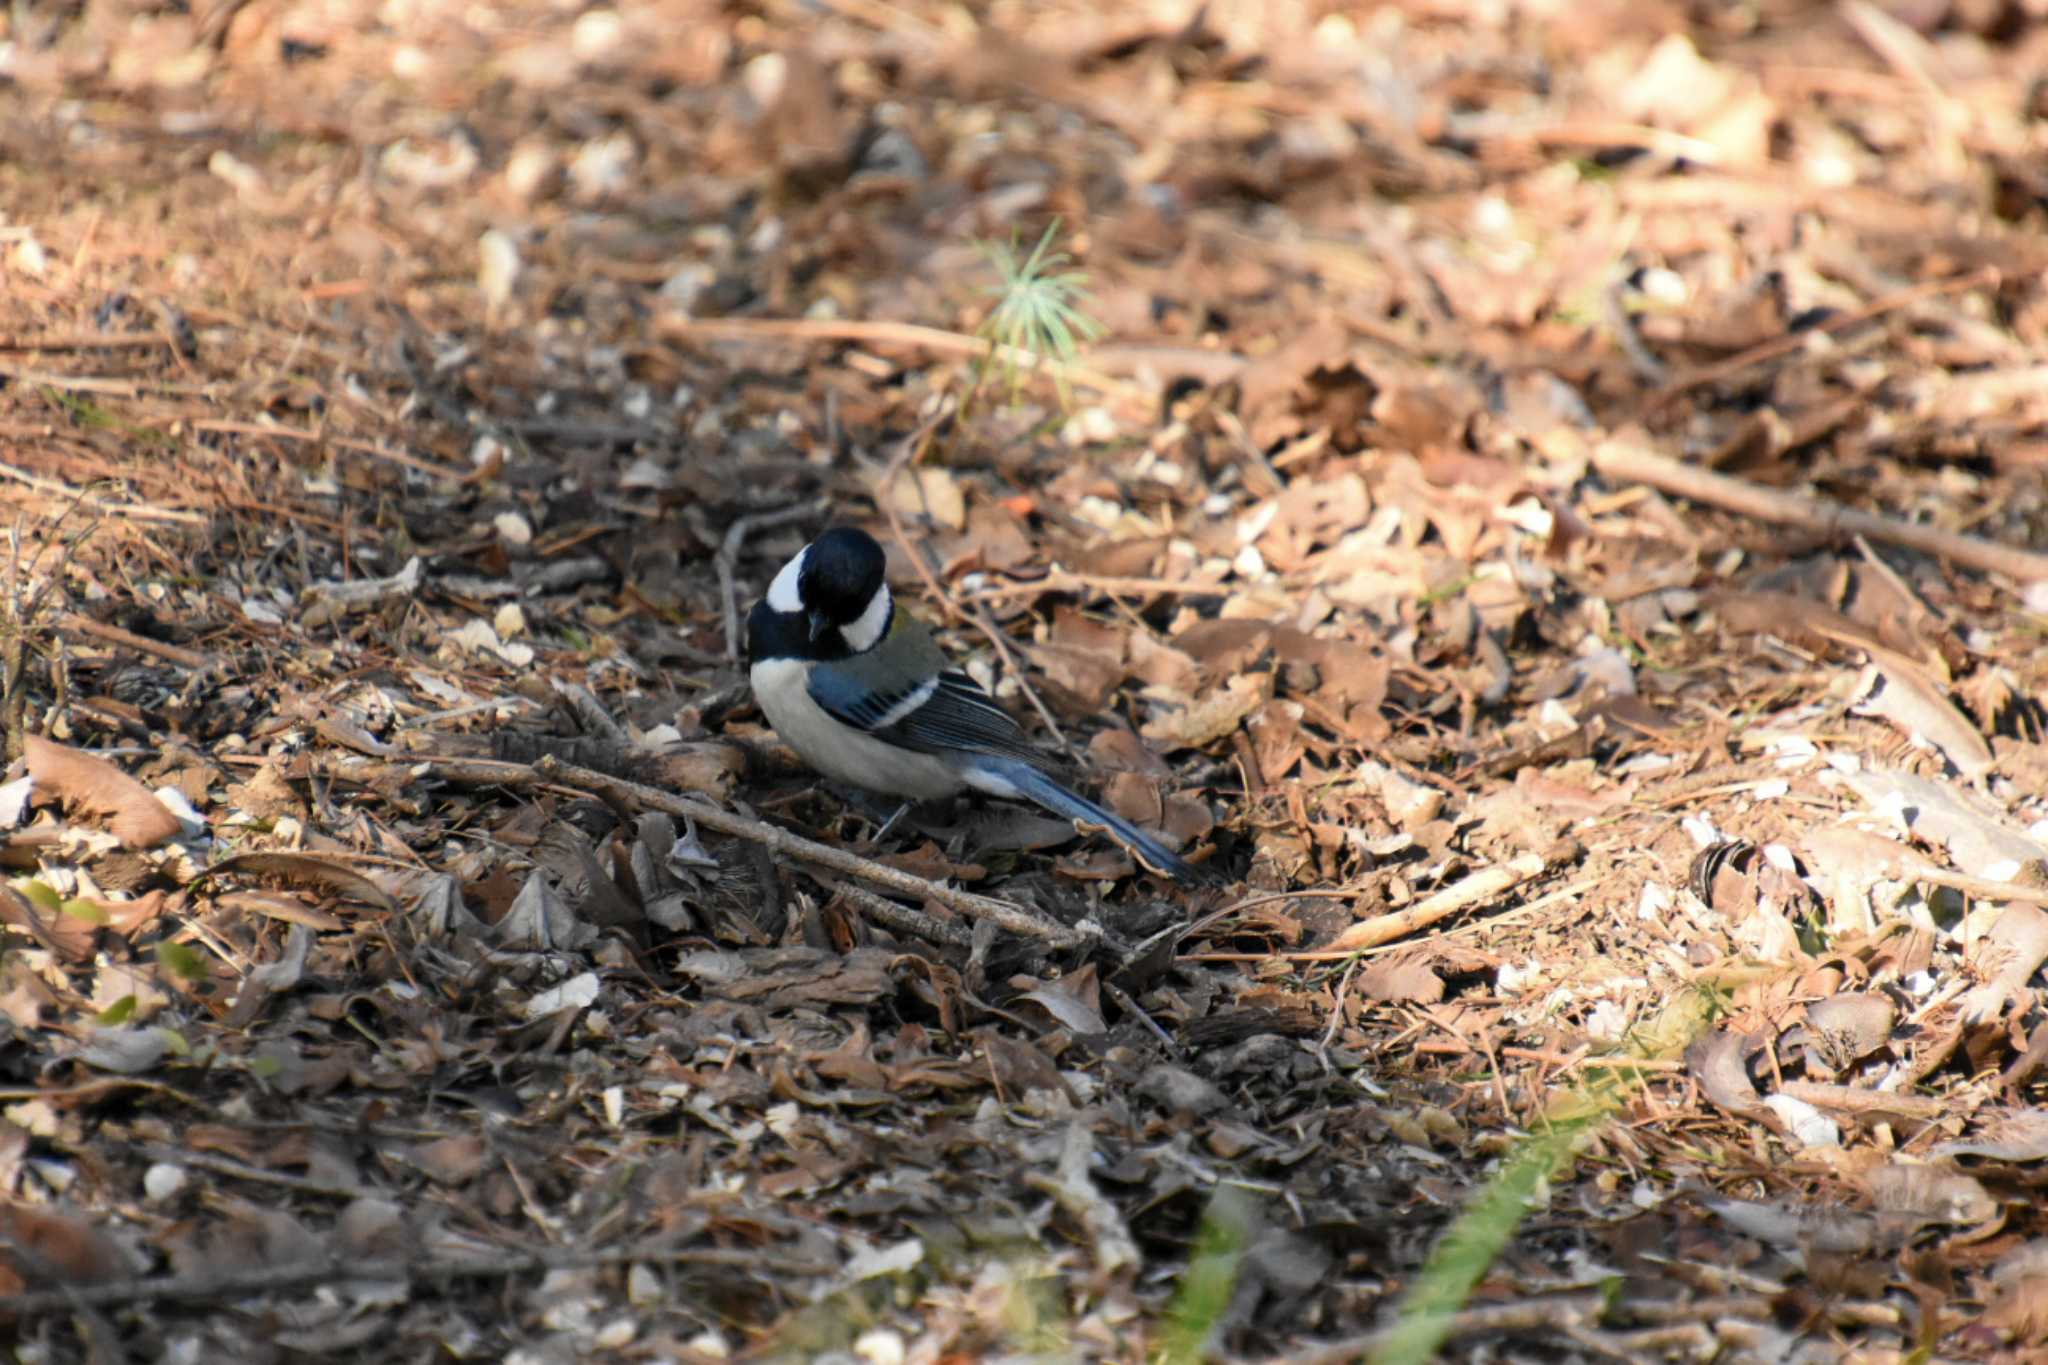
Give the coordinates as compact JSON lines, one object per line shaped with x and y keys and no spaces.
{"x":1549,"y":519}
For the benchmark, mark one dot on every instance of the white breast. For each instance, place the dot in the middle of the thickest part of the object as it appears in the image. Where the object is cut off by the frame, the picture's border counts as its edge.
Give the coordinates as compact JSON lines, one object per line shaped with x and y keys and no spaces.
{"x":840,"y":751}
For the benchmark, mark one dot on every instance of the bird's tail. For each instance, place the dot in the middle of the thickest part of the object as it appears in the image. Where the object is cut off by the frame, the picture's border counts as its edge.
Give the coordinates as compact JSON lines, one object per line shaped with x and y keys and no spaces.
{"x":1028,"y":782}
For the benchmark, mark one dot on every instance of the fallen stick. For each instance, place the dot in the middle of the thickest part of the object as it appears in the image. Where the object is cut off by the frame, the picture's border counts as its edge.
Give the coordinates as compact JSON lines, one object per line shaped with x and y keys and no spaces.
{"x":881,"y":333}
{"x":547,"y":770}
{"x":270,"y":1278}
{"x":1620,"y":460}
{"x":1481,"y":886}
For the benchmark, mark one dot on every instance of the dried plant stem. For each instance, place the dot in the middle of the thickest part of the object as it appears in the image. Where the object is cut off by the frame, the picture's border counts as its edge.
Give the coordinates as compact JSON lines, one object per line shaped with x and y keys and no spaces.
{"x":133,"y":511}
{"x":904,"y":920}
{"x":901,"y":334}
{"x":1062,"y":581}
{"x":1620,"y":460}
{"x":86,"y":341}
{"x":269,"y":1278}
{"x":728,"y":559}
{"x":118,"y":388}
{"x":1476,"y":889}
{"x":780,"y":843}
{"x":141,"y":644}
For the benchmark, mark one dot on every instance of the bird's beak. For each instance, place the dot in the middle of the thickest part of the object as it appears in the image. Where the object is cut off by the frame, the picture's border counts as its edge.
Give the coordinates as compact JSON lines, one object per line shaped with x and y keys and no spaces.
{"x":819,"y":625}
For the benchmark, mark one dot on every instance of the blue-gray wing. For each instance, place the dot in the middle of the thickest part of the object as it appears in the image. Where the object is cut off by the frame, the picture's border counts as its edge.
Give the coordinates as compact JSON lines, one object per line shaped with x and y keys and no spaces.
{"x":947,"y":713}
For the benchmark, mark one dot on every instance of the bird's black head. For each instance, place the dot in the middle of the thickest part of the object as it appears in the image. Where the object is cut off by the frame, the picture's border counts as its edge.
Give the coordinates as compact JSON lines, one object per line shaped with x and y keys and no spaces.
{"x":841,"y":581}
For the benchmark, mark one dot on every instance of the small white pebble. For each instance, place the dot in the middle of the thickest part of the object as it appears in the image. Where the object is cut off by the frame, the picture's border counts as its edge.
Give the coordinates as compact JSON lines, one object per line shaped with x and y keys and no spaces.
{"x":881,"y":1346}
{"x":597,"y":35}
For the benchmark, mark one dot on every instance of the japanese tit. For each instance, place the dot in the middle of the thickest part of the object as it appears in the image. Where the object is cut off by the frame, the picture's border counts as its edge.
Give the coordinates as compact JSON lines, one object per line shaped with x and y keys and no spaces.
{"x":864,"y":695}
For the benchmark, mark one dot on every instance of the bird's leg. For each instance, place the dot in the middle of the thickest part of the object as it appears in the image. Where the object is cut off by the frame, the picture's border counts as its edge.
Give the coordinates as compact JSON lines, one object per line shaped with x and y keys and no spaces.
{"x":890,"y":823}
{"x":874,"y":809}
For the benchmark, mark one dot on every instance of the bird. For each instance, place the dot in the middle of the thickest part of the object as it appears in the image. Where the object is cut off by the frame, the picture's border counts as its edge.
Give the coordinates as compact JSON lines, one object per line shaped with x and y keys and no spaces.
{"x":864,"y":695}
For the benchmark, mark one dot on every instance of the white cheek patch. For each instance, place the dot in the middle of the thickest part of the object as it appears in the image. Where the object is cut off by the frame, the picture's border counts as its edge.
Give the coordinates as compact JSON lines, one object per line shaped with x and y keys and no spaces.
{"x":865,"y":631}
{"x":783,"y":595}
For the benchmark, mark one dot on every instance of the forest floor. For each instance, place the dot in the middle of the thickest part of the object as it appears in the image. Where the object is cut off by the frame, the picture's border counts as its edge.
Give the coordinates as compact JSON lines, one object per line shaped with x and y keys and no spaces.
{"x":1541,"y":505}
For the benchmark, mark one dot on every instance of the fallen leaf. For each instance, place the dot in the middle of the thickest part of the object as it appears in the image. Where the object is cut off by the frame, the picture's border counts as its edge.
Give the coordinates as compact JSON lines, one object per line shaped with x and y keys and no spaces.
{"x":91,"y":786}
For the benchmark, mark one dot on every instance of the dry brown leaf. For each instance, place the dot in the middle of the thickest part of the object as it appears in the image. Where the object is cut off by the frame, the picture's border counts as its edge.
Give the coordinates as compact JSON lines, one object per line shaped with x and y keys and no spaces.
{"x":59,"y":1248}
{"x":1082,"y":656}
{"x":1717,"y":1063}
{"x":929,"y":491}
{"x":306,"y":870}
{"x":68,"y":936}
{"x":1220,"y":713}
{"x":1074,"y":1000}
{"x":89,"y":785}
{"x":1407,"y":980}
{"x":2018,"y":1302}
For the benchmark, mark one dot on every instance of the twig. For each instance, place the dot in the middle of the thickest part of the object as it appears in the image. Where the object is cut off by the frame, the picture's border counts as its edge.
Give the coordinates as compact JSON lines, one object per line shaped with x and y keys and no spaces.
{"x":1526,"y":1319}
{"x":905,"y":459}
{"x":285,"y":433}
{"x":85,"y":625}
{"x":900,"y":334}
{"x":1481,"y":886}
{"x":1059,"y":580}
{"x":728,"y":558}
{"x":905,"y":920}
{"x":265,"y":1279}
{"x":1619,"y":460}
{"x":1131,"y":1007}
{"x":133,"y":511}
{"x":118,"y":388}
{"x":1792,"y":341}
{"x":1591,"y":1061}
{"x":85,"y":341}
{"x":1614,"y":311}
{"x":1519,"y":913}
{"x":780,"y":843}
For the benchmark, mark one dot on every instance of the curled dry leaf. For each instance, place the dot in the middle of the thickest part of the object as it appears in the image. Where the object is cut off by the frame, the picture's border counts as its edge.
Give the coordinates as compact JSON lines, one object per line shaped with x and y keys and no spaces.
{"x":2008,"y":956}
{"x":1717,"y":1063}
{"x":2018,"y":1136}
{"x":1929,"y":1194}
{"x":1844,"y":1029}
{"x":1072,"y":999}
{"x":94,"y":787}
{"x":1214,"y":716}
{"x":1893,"y":688}
{"x":1976,"y":837}
{"x":304,"y":870}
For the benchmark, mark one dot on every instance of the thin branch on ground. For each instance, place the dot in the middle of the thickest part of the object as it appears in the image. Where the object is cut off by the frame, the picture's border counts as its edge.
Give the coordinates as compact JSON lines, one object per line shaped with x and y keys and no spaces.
{"x":779,"y":842}
{"x":86,"y":341}
{"x":728,"y":558}
{"x":1629,"y":463}
{"x":904,"y":920}
{"x":273,"y":1278}
{"x":934,"y":339}
{"x":1059,"y":580}
{"x":1482,"y":886}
